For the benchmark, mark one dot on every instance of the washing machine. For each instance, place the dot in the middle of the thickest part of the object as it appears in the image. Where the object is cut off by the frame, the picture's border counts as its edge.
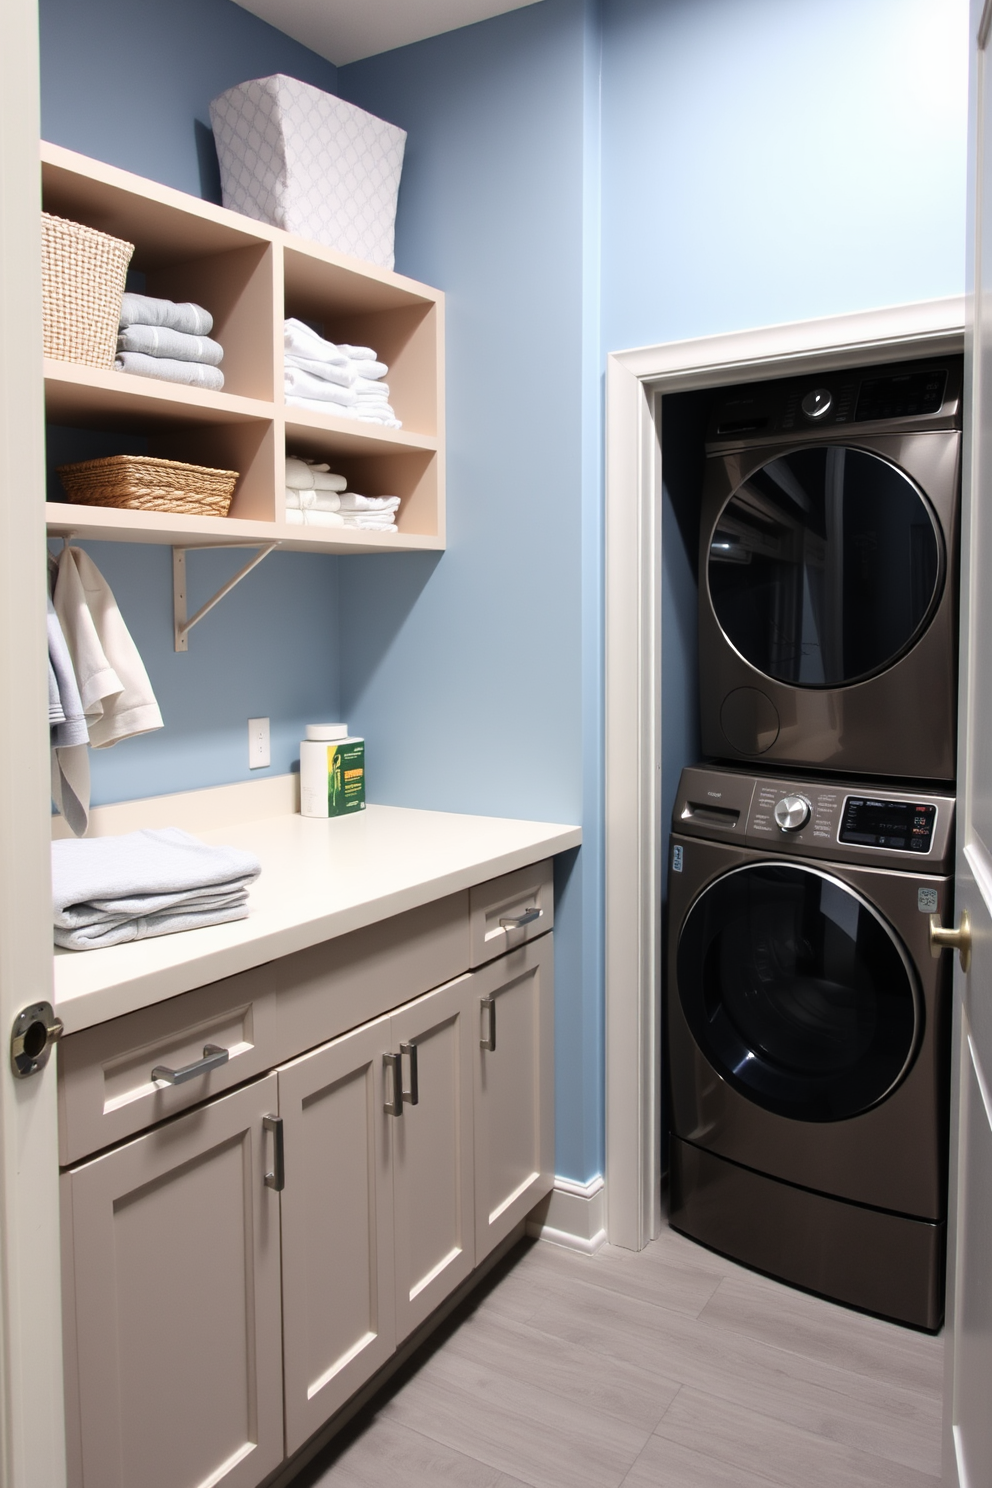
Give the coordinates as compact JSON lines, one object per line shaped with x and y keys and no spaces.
{"x":827,"y":578}
{"x":808,"y":1033}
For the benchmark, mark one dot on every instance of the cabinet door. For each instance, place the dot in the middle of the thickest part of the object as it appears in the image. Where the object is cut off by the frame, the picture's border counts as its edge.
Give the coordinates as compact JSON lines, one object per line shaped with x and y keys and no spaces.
{"x":431,"y":1149}
{"x":513,"y":1026}
{"x":337,"y":1222}
{"x":174,"y":1293}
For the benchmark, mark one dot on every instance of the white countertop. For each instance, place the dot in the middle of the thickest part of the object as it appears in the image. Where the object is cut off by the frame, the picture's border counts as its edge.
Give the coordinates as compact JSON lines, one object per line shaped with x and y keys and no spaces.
{"x":319,"y":879}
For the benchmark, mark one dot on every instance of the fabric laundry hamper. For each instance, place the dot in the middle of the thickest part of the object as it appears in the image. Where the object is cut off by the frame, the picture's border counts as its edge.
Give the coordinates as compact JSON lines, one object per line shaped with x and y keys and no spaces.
{"x":311,"y":163}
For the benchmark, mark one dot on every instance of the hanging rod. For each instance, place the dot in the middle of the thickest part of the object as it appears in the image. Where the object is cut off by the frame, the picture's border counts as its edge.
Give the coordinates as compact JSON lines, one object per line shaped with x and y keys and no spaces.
{"x":181,"y":624}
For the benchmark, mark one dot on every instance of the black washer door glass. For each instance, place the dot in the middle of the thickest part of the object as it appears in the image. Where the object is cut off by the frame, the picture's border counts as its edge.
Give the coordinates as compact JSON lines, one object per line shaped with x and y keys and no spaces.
{"x":825,"y":566}
{"x":796,"y":992}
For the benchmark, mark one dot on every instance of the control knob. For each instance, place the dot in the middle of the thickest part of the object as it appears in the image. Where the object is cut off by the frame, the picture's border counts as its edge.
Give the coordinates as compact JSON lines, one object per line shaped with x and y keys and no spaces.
{"x":792,"y":813}
{"x":817,"y":403}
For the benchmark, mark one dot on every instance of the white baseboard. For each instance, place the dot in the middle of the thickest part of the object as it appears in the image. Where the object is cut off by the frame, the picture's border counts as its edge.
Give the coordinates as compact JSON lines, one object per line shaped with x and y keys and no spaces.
{"x":573,"y":1215}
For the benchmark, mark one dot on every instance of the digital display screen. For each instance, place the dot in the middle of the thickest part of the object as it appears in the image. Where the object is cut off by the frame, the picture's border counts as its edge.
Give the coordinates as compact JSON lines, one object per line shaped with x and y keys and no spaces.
{"x":901,"y":825}
{"x":901,"y":397}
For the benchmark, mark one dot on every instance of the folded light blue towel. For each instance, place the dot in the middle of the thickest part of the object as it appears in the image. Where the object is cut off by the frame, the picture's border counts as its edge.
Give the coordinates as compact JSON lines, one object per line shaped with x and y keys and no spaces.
{"x":138,"y":309}
{"x":191,"y":374}
{"x":106,"y":890}
{"x":160,"y":341}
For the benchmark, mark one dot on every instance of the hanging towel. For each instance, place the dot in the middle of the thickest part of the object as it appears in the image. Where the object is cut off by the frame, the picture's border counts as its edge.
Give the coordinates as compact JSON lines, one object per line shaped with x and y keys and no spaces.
{"x":111,"y":889}
{"x":190,"y":374}
{"x":116,"y":694}
{"x":302,"y":385}
{"x":160,"y":341}
{"x":343,"y":376}
{"x":138,"y":309}
{"x":306,"y":477}
{"x":68,"y":733}
{"x":300,"y":340}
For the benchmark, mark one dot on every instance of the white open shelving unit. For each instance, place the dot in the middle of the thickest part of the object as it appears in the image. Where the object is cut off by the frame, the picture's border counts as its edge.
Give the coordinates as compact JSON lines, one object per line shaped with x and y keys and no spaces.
{"x":251,"y":277}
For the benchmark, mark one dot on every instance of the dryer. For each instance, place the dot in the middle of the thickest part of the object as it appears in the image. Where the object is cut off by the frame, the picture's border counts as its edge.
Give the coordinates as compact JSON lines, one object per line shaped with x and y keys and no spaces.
{"x":808,"y":1032}
{"x":827,"y":582}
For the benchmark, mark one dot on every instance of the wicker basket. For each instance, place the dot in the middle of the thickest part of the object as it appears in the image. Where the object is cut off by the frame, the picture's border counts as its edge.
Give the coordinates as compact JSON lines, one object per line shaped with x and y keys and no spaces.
{"x":83,"y":273}
{"x":142,"y":483}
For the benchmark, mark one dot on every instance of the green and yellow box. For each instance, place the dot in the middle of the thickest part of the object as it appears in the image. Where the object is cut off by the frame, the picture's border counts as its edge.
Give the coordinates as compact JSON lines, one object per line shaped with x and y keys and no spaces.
{"x":332,"y":772}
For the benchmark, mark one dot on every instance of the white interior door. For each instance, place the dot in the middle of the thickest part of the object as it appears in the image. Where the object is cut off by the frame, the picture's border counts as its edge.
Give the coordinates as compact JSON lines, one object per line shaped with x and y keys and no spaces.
{"x":968,"y":1419}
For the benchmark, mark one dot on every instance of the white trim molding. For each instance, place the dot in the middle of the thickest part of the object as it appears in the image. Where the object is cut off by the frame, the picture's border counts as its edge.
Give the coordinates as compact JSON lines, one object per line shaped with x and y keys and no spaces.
{"x":573,"y":1215}
{"x":633,"y":826}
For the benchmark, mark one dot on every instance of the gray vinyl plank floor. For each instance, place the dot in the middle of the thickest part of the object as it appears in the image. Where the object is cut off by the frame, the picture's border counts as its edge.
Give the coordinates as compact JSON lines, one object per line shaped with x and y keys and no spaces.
{"x":672,"y":1368}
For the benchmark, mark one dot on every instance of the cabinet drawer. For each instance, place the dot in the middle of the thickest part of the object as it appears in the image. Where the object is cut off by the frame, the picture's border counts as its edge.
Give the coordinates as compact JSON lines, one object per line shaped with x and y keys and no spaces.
{"x":509,"y":898}
{"x":106,"y":1090}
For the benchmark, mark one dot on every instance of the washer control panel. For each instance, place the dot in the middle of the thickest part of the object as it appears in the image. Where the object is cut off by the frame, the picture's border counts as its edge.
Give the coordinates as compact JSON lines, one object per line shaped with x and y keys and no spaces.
{"x":846,"y":821}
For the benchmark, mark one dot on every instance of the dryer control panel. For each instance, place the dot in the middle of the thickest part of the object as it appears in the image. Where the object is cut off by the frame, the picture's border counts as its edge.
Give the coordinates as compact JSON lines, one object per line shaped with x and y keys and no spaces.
{"x":842,"y":820}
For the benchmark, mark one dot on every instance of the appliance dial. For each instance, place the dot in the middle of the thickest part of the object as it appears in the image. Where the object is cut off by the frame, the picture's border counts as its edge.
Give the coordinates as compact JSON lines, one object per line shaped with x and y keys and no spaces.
{"x":817,"y":403}
{"x":792,"y":813}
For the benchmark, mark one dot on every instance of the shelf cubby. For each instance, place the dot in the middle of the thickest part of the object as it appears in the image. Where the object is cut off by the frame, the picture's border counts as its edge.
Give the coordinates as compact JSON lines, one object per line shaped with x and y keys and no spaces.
{"x":250,"y":276}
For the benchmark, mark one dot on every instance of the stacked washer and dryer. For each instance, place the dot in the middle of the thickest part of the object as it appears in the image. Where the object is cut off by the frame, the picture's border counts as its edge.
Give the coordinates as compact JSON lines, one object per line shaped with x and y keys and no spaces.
{"x":807,"y":1021}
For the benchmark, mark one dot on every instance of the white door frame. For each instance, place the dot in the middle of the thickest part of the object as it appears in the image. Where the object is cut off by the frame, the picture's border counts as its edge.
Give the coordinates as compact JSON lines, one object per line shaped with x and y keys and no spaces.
{"x":32,"y":1453}
{"x":635,"y":381}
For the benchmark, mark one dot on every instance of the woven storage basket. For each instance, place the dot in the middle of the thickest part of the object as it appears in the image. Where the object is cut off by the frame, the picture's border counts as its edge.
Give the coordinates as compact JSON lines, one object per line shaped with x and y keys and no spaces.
{"x":82,"y":274}
{"x":142,"y":483}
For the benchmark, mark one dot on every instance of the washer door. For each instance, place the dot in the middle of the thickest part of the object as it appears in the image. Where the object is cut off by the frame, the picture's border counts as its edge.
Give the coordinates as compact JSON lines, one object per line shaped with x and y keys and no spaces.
{"x":797,"y":992}
{"x":825,"y":566}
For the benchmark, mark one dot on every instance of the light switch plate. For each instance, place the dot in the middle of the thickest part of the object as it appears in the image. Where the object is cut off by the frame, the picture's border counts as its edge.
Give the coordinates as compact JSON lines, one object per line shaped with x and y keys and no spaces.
{"x":259,"y":754}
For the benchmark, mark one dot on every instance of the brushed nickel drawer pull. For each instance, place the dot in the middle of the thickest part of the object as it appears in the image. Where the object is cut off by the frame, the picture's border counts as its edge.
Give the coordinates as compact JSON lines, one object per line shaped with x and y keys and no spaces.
{"x":213,"y":1057}
{"x":277,"y":1178}
{"x":413,"y":1094}
{"x":514,"y":922}
{"x":488,"y":1041}
{"x":394,"y":1062}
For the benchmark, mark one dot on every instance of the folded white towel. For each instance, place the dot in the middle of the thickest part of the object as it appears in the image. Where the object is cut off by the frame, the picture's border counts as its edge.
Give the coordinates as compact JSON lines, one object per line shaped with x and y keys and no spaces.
{"x":328,"y":371}
{"x":371,"y":370}
{"x":368,"y":523}
{"x":138,"y":309}
{"x":366,"y":387}
{"x":370,"y":416}
{"x":352,"y":502}
{"x":328,"y":501}
{"x":161,"y":341}
{"x":191,"y":374}
{"x":321,"y":405}
{"x":106,"y":890}
{"x":297,"y":518}
{"x":358,"y":353}
{"x":302,"y":385}
{"x":300,"y":340}
{"x":306,"y":476}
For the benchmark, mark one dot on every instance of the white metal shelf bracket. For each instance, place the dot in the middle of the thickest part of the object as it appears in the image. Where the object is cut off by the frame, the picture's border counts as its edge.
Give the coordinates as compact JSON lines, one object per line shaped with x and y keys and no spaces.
{"x":182,"y":625}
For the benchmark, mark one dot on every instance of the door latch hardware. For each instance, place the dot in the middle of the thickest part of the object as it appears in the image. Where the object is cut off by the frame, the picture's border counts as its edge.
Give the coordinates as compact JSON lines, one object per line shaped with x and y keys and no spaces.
{"x":36,"y":1029}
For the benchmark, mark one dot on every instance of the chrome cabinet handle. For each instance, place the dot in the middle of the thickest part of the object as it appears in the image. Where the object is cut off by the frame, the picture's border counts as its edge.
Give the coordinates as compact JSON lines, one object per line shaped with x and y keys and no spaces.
{"x":488,"y":1040}
{"x":942,"y":939}
{"x":394,"y":1062}
{"x":413,"y":1094}
{"x":213,"y":1056}
{"x":277,"y":1178}
{"x":514,"y":922}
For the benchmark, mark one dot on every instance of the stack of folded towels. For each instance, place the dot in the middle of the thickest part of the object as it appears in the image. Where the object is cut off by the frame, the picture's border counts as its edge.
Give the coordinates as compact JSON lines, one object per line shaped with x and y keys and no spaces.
{"x":161,"y":339}
{"x":315,"y":497}
{"x":106,"y":890}
{"x":345,"y":381}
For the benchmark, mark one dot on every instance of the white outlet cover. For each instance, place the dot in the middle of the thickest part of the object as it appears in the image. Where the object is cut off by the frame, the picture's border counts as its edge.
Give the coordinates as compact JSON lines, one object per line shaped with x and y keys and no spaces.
{"x":259,"y":754}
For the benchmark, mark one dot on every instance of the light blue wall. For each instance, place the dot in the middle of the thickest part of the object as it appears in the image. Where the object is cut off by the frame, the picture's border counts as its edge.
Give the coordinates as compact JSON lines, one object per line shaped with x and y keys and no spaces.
{"x":131,"y":84}
{"x":776,"y":160}
{"x":466,"y":674}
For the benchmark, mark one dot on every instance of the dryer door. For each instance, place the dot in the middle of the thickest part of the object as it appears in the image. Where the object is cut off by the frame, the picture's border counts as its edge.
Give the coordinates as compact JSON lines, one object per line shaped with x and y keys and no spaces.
{"x":797,"y":991}
{"x":825,"y":566}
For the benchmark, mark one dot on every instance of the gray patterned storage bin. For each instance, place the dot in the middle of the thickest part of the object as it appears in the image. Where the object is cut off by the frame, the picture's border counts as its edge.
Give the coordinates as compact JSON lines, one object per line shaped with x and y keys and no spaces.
{"x":311,"y":163}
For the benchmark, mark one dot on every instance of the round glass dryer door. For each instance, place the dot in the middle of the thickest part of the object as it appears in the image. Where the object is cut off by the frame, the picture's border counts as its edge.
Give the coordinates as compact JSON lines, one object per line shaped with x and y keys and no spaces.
{"x":797,"y":992}
{"x":825,"y":566}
